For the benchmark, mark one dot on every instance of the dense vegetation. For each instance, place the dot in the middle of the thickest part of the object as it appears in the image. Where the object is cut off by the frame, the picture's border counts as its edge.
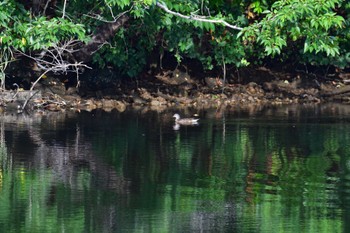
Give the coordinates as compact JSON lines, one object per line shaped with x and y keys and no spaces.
{"x":218,"y":33}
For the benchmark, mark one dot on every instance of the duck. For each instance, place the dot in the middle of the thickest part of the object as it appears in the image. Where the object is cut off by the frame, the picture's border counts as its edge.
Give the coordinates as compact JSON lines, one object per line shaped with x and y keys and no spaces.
{"x":185,"y":121}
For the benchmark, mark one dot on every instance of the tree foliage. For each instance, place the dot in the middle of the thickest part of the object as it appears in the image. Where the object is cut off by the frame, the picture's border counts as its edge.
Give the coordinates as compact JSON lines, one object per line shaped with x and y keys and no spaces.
{"x":23,"y":31}
{"x":311,"y":29}
{"x":213,"y":32}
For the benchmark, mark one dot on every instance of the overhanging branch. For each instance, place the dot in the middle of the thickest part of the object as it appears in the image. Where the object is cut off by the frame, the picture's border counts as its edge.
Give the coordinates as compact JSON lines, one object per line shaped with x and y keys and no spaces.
{"x":197,"y":18}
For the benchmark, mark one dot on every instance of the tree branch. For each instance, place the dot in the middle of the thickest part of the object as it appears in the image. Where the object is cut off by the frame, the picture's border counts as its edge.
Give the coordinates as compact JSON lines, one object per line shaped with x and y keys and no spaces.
{"x":64,"y":9}
{"x":103,"y":33}
{"x":197,"y":18}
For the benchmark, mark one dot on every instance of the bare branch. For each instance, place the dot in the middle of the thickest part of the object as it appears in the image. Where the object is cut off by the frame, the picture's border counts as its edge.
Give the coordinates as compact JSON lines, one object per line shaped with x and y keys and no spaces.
{"x":63,"y":67}
{"x":64,"y":9}
{"x":57,"y":59}
{"x":46,"y":6}
{"x":115,"y":18}
{"x":197,"y":18}
{"x":27,"y":100}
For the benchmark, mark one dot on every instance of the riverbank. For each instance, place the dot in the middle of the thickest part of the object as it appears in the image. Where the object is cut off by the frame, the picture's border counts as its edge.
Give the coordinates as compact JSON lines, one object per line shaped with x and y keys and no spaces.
{"x":176,"y":89}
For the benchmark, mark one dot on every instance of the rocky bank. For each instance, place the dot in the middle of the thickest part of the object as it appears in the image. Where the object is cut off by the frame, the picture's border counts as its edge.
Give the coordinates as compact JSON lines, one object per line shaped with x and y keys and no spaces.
{"x":176,"y":88}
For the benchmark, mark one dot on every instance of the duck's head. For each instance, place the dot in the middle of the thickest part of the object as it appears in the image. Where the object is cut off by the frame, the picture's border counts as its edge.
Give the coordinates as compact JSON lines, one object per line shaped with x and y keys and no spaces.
{"x":176,"y":116}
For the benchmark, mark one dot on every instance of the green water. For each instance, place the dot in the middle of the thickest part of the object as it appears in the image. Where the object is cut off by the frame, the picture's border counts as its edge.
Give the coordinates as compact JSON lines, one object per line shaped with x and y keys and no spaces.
{"x":282,"y":169}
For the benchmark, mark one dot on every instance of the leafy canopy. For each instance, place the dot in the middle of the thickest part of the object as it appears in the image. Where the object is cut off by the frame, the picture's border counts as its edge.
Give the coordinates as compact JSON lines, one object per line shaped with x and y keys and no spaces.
{"x":312,"y":31}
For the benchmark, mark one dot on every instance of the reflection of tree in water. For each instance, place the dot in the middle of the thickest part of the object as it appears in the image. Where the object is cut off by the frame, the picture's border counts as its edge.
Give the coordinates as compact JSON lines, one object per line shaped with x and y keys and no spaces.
{"x":51,"y":152}
{"x":61,"y":148}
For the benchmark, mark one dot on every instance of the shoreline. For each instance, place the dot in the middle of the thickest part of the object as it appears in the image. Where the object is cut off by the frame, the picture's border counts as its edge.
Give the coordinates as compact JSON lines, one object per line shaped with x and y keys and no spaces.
{"x":171,"y":90}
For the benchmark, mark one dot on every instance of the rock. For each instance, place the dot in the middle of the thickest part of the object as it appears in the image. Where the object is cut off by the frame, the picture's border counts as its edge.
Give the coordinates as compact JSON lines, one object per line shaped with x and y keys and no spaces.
{"x":53,"y":107}
{"x":214,"y":82}
{"x":98,"y":103}
{"x":88,"y":105}
{"x":120,"y":106}
{"x":52,"y":85}
{"x":251,"y":90}
{"x":144,"y":94}
{"x":175,"y":77}
{"x":155,"y":103}
{"x":137,"y":100}
{"x":71,"y":91}
{"x":108,"y":103}
{"x":72,"y":98}
{"x":14,"y":106}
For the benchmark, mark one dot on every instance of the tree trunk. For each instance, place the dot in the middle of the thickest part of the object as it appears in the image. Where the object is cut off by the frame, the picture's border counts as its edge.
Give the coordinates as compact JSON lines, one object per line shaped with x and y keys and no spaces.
{"x":102,"y":34}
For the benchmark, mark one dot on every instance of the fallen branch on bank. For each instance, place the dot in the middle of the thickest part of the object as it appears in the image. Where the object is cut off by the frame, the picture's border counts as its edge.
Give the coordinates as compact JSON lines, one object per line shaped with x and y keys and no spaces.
{"x":28,"y":99}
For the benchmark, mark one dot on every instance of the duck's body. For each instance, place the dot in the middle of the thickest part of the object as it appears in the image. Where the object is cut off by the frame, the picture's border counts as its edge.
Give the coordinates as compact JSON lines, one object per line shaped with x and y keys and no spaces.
{"x":185,"y":121}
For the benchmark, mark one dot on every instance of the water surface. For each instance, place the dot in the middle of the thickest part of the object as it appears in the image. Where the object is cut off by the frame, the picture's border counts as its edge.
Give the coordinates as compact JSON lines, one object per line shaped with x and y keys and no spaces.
{"x":270,"y":169}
